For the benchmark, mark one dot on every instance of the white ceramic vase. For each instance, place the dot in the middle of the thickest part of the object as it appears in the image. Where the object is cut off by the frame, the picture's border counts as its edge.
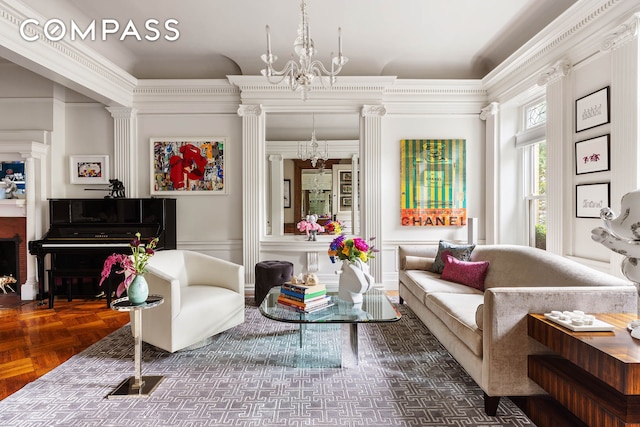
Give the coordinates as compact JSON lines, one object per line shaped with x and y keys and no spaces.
{"x":354,"y":281}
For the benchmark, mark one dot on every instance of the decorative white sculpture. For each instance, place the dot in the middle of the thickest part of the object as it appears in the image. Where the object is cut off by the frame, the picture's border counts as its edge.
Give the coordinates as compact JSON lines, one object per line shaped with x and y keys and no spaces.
{"x":621,"y":234}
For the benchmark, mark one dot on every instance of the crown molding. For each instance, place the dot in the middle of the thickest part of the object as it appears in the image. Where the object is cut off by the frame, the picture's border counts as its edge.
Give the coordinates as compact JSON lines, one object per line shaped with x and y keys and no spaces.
{"x":71,"y":64}
{"x":196,"y":96}
{"x":568,"y":33}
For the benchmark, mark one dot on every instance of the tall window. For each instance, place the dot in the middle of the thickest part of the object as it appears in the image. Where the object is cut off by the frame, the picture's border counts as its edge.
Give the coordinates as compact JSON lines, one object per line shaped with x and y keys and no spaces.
{"x":534,"y":168}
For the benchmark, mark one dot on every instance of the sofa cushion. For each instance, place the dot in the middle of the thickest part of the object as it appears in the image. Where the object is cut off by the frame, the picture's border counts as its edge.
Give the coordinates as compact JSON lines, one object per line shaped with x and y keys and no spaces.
{"x":417,"y":263}
{"x":464,"y":272}
{"x":461,"y":252}
{"x":458,"y":313}
{"x":420,"y":283}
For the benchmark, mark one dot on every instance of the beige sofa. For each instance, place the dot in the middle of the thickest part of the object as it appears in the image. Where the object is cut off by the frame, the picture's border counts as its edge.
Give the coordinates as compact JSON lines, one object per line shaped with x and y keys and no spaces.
{"x":486,"y":332}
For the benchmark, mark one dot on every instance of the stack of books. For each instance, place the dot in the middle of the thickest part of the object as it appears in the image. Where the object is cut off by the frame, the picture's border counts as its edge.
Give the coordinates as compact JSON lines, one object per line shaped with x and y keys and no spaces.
{"x":304,"y":298}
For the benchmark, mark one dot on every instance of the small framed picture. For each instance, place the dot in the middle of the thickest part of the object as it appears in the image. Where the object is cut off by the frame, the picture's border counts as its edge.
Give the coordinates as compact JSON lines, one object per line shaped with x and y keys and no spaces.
{"x":346,"y":201}
{"x":89,"y":169}
{"x":346,"y":188}
{"x":345,"y":176}
{"x":592,"y":110}
{"x":590,"y":198}
{"x":592,"y":155}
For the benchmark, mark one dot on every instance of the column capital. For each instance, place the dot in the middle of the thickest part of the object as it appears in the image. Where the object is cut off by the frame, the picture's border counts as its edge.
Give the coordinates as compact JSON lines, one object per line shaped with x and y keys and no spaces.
{"x":557,"y":71}
{"x":625,"y":33}
{"x":250,"y":110}
{"x":122,"y":113}
{"x":489,"y":110}
{"x":373,"y":110}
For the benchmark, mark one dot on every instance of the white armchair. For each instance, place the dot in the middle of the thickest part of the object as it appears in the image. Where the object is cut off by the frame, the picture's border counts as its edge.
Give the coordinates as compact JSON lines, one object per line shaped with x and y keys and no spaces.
{"x":203,"y":296}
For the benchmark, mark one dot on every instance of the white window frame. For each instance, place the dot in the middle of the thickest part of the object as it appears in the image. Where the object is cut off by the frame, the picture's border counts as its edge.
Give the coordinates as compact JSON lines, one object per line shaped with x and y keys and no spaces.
{"x":525,"y":142}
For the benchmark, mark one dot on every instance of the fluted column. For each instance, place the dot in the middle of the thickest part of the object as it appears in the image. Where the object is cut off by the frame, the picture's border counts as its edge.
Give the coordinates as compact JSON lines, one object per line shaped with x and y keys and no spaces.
{"x":253,"y":135}
{"x":370,"y":179}
{"x":558,"y":131}
{"x":125,"y":162}
{"x":492,"y":172}
{"x":625,"y":114}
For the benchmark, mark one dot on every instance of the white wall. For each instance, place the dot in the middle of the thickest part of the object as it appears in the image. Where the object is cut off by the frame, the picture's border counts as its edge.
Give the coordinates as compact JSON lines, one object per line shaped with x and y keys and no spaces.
{"x":208,"y":223}
{"x":431,"y":126}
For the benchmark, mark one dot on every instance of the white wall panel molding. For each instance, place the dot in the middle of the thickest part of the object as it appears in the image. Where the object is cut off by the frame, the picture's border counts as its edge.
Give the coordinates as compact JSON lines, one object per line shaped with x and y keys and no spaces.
{"x":70,"y":64}
{"x":492,"y":172}
{"x":559,"y":129}
{"x":625,"y":115}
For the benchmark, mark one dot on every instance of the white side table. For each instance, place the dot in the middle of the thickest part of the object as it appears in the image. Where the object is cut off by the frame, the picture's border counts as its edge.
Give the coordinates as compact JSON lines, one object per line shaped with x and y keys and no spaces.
{"x":137,"y":386}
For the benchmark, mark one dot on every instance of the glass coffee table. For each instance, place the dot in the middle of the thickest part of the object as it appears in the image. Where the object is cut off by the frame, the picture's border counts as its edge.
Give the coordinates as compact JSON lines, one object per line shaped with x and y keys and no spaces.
{"x":375,"y":308}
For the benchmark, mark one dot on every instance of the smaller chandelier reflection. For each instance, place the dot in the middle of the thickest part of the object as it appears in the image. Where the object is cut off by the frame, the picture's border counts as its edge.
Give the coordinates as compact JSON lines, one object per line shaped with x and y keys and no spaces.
{"x":300,"y":75}
{"x":310,"y":150}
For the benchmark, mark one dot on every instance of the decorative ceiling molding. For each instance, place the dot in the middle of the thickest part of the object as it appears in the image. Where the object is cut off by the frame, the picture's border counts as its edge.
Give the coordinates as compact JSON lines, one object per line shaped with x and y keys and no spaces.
{"x":24,"y":143}
{"x":557,"y":71}
{"x":490,"y":110}
{"x":71,"y":64}
{"x":623,"y":34}
{"x":516,"y":69}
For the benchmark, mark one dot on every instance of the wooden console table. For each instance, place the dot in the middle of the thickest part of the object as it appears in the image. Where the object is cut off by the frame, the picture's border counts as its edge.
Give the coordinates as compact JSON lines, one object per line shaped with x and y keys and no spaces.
{"x":595,"y":375}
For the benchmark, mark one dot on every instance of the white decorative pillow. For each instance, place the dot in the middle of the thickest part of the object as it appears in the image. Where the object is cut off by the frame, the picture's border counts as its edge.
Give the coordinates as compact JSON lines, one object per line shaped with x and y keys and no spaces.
{"x":417,"y":263}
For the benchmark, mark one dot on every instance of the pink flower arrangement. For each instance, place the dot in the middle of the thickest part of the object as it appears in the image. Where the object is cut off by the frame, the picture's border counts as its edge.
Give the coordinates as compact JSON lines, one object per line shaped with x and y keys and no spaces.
{"x":130,"y":265}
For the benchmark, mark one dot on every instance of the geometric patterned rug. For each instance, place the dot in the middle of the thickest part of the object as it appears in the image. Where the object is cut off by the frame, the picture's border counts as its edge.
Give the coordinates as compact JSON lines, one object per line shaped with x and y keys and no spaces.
{"x":250,"y":376}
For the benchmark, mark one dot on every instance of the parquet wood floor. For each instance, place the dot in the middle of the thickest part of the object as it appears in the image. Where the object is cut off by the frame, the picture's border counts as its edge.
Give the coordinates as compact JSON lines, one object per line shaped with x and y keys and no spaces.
{"x":35,"y":339}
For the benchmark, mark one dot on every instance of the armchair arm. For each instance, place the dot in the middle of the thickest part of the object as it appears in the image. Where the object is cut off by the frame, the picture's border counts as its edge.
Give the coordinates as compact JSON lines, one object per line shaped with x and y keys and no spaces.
{"x":163,"y":284}
{"x":506,"y":343}
{"x":206,"y":270}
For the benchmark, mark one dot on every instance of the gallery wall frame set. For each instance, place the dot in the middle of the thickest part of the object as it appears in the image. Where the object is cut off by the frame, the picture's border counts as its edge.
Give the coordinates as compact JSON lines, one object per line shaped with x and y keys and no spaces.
{"x":593,"y":155}
{"x":188,"y":166}
{"x":592,"y":110}
{"x":590,"y":198}
{"x":89,"y":169}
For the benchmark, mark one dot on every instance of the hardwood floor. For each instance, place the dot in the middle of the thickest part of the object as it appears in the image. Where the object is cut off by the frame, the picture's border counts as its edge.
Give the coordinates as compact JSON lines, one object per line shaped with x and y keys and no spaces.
{"x":35,"y":339}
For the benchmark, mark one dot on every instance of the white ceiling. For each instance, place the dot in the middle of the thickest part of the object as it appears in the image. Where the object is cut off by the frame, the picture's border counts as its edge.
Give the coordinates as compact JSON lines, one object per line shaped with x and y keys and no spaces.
{"x":406,"y":38}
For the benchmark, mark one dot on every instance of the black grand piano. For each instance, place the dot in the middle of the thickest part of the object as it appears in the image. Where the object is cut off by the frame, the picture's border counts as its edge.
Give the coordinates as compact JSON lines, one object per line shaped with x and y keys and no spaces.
{"x":83,"y":232}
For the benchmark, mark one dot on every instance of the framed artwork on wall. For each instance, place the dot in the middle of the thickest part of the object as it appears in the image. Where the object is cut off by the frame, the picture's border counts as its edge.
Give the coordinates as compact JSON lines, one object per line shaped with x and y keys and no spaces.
{"x":592,"y":110}
{"x":592,"y":155}
{"x":188,"y":166}
{"x":90,"y":169}
{"x":433,"y":183}
{"x":287,"y":193}
{"x":590,"y":198}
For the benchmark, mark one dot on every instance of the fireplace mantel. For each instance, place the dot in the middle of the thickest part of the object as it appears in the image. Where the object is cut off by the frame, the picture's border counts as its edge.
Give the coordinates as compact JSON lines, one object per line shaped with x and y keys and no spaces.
{"x":32,"y":147}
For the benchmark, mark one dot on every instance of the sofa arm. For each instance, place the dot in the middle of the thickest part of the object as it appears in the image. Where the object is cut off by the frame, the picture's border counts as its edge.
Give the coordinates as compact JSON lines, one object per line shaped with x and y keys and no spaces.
{"x":506,"y":343}
{"x":163,"y":284}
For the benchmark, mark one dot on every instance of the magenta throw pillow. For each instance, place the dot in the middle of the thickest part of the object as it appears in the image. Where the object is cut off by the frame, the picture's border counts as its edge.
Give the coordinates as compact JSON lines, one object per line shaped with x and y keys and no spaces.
{"x":465,"y":272}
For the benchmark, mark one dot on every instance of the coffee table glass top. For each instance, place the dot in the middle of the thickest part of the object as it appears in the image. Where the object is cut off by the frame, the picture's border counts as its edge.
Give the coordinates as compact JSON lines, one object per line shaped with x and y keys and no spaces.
{"x":375,"y":307}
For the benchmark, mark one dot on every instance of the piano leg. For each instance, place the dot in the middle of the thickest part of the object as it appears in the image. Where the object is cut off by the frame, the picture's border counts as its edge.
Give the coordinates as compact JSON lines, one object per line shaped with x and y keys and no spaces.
{"x":40,"y":267}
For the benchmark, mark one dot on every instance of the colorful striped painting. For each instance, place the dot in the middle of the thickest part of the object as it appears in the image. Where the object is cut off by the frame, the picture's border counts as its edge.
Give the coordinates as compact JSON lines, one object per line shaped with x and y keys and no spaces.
{"x":433,"y":182}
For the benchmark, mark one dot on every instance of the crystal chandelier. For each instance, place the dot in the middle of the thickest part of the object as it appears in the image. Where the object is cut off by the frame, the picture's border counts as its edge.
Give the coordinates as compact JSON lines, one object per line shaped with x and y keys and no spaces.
{"x":311,"y":149}
{"x":300,"y":75}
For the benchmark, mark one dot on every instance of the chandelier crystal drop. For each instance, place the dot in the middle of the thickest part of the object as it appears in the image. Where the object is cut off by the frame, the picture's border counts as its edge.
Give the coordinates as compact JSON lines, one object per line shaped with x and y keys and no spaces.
{"x":300,"y":75}
{"x":310,"y":150}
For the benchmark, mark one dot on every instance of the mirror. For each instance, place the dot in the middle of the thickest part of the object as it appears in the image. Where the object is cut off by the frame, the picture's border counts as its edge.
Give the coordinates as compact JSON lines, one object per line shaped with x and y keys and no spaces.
{"x":327,"y":189}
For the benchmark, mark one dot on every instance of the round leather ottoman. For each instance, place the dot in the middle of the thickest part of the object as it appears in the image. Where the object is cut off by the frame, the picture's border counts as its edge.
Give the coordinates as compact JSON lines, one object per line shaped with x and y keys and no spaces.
{"x":270,"y":274}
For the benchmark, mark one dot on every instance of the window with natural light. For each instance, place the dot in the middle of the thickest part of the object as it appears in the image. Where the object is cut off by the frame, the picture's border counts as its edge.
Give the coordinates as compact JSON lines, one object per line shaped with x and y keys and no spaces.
{"x":534,"y":168}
